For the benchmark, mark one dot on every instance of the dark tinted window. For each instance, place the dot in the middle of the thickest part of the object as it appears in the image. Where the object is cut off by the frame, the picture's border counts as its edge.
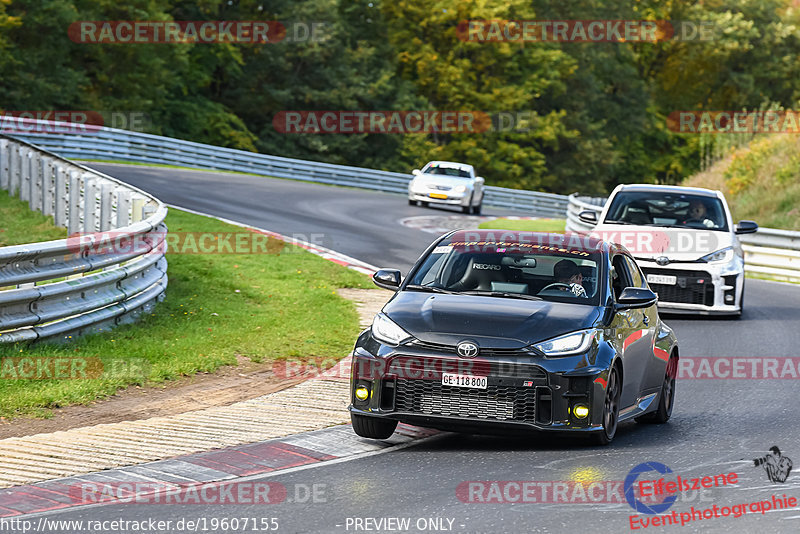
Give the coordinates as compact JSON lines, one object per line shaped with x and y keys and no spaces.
{"x":667,"y":209}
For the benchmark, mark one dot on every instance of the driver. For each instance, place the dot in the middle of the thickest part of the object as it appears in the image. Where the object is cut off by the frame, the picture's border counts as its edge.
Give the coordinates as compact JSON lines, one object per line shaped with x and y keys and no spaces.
{"x":698,"y":213}
{"x":566,"y":272}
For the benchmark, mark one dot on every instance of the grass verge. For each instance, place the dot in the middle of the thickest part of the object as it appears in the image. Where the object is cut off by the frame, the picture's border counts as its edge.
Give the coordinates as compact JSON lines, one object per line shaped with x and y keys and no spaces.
{"x":19,"y":225}
{"x":532,"y":225}
{"x":219,"y":308}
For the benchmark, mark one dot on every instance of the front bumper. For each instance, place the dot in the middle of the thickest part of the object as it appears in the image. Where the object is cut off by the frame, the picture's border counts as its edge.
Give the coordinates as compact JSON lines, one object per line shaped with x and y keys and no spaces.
{"x":524,"y":392}
{"x":453,"y":199}
{"x":700,"y":288}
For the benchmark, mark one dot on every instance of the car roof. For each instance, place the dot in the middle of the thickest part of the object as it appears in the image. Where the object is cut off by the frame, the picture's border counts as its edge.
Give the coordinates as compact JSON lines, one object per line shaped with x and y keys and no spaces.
{"x":678,"y":189}
{"x":452,"y":164}
{"x":569,"y":241}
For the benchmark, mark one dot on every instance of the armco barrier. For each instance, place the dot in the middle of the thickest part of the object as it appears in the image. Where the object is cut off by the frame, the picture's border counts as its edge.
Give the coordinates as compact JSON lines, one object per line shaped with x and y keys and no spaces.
{"x":100,"y":143}
{"x":770,"y":252}
{"x":56,"y":290}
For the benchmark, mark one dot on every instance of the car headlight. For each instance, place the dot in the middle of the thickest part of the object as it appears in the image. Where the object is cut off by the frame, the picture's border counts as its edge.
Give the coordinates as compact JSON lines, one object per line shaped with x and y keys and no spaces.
{"x":725,"y":254}
{"x":573,"y":343}
{"x":460,"y":188}
{"x":384,"y":329}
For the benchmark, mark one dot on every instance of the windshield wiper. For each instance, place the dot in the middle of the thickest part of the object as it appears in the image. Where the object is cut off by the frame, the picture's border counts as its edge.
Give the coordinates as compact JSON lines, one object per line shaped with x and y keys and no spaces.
{"x":429,"y":289}
{"x":505,"y":294}
{"x":622,"y":222}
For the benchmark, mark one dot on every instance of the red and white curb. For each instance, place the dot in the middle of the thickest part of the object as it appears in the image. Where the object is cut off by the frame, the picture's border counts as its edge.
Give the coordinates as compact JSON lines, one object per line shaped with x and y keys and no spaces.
{"x":199,"y":475}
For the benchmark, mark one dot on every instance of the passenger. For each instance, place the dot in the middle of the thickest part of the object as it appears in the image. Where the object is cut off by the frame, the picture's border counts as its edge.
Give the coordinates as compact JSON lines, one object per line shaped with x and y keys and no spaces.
{"x":568,"y":273}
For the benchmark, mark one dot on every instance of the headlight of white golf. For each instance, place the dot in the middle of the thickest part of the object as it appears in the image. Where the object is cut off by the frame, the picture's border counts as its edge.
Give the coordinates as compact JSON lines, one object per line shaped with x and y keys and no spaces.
{"x":384,"y":329}
{"x":460,"y":188}
{"x":573,"y":343}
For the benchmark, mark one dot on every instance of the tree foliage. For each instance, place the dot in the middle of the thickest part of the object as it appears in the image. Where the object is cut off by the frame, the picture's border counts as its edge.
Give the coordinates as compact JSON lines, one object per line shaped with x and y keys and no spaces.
{"x":595,"y":113}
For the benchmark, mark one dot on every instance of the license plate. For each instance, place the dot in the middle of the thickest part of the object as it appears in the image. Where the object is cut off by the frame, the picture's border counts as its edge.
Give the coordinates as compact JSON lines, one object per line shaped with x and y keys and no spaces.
{"x":662,"y":279}
{"x":464,"y":381}
{"x":437,"y":195}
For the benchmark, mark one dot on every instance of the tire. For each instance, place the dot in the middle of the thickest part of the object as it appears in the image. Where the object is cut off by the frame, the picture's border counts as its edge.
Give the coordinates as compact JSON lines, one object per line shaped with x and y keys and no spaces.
{"x":423,"y":203}
{"x":412,"y":202}
{"x":468,"y":208}
{"x":739,"y":314}
{"x":610,"y":409}
{"x":476,"y":210}
{"x":372,"y":427}
{"x":666,"y":399}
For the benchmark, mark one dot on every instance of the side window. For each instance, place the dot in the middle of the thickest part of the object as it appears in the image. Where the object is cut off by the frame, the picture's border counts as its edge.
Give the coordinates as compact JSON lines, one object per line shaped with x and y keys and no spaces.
{"x":637,"y":280}
{"x":619,"y":276}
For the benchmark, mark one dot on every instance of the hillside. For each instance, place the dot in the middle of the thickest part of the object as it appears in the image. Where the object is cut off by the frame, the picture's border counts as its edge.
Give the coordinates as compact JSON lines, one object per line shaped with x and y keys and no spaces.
{"x":761,"y":181}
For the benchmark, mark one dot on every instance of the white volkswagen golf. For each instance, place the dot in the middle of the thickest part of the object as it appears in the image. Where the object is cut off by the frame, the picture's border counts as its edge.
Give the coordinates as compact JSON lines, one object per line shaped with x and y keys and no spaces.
{"x":448,"y":183}
{"x":685,"y":242}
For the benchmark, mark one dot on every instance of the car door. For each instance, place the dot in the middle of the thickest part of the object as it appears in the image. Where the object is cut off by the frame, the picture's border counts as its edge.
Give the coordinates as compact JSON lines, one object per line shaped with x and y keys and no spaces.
{"x":656,"y":361}
{"x":632,"y":329}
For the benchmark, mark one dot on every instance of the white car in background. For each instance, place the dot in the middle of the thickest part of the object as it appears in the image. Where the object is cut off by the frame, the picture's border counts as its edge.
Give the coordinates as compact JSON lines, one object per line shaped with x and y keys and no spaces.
{"x":449,"y":184}
{"x":685,"y":242}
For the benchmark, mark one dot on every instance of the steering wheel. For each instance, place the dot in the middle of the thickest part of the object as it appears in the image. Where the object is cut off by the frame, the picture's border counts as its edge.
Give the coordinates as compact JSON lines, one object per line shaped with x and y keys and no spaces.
{"x":556,"y":285}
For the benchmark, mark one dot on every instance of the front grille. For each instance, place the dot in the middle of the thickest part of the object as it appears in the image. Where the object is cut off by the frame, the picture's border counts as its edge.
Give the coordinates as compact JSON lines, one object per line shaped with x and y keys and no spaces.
{"x":498,"y":403}
{"x":431,"y":368}
{"x":451,"y":349}
{"x":692,"y":287}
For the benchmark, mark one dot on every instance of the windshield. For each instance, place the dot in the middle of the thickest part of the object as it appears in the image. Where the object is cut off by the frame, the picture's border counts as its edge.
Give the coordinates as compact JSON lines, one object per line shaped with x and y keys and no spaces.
{"x":446,"y":171}
{"x":506,"y":269}
{"x":651,"y":208}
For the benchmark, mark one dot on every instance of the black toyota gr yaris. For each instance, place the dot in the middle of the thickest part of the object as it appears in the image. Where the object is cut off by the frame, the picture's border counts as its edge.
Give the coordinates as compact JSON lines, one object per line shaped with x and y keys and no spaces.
{"x":494,"y":331}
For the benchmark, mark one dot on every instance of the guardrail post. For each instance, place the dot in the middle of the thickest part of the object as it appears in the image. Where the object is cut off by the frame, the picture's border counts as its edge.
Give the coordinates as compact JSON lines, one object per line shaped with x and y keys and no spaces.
{"x":137,"y":212}
{"x":48,"y":186}
{"x":5,"y":150}
{"x":74,"y":208}
{"x":123,"y":208}
{"x":25,"y":175}
{"x":37,"y":179}
{"x":14,"y":161}
{"x":106,"y":202}
{"x":60,"y":197}
{"x":90,"y":192}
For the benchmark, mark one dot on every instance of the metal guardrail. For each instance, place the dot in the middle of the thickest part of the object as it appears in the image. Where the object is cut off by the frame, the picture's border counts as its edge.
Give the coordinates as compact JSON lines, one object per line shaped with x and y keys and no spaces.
{"x":100,"y":143}
{"x":60,"y":289}
{"x":770,"y":252}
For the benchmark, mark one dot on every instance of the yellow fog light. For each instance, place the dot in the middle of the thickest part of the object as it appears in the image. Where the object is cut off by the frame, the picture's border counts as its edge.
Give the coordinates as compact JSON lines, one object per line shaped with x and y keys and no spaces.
{"x":581,"y":411}
{"x":362,"y":393}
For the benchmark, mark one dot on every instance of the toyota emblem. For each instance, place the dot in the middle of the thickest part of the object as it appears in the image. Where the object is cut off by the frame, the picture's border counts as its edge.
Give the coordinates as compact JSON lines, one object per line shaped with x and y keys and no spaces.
{"x":467,"y":349}
{"x":662,"y":260}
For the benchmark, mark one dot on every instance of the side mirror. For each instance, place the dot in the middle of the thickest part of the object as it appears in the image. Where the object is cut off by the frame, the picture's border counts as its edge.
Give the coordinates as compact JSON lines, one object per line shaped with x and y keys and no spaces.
{"x":479,"y":180}
{"x":387,"y":279}
{"x":416,"y":172}
{"x":588,"y":216}
{"x":746,"y":227}
{"x":633,"y":298}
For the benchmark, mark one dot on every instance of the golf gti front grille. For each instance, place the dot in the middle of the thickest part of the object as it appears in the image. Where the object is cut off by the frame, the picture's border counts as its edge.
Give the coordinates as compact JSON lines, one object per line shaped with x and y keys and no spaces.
{"x":499,"y":403}
{"x":691,"y":287}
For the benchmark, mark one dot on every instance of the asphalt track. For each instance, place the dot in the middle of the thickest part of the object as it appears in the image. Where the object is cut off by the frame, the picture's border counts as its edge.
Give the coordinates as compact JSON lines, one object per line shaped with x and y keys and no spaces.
{"x":719,"y":425}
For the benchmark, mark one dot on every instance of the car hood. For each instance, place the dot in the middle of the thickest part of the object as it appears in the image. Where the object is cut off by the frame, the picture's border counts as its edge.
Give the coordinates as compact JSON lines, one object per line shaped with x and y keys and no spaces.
{"x":436,"y":179}
{"x":677,"y":244}
{"x":492,"y":322}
